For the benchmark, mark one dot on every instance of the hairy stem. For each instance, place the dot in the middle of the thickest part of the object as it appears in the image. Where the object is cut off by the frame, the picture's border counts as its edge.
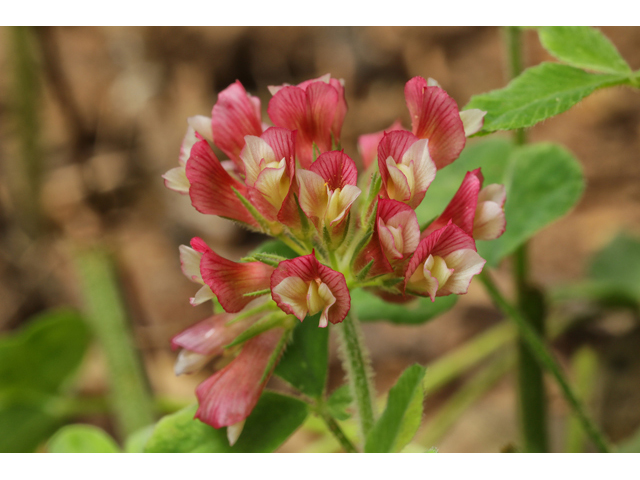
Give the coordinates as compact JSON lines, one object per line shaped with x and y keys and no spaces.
{"x":337,"y":432}
{"x":544,"y":357}
{"x":358,"y":367}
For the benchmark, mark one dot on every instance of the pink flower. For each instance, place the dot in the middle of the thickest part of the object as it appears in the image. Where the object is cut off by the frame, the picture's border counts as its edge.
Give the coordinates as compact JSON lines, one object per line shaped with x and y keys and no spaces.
{"x":435,"y":116}
{"x":395,"y":237}
{"x":303,"y":286}
{"x":176,"y":178}
{"x":328,"y":189}
{"x":206,"y":340}
{"x":235,"y":115}
{"x":405,"y":167}
{"x":270,"y":169}
{"x":476,"y":210}
{"x":211,"y":189}
{"x":315,"y":108}
{"x":444,"y":263}
{"x":190,"y":263}
{"x":230,"y":281}
{"x":229,"y":395}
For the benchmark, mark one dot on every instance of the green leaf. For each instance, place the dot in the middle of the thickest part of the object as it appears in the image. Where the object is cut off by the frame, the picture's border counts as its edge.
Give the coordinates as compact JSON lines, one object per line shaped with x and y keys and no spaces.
{"x":275,"y":247}
{"x":24,"y":426}
{"x":273,"y":420}
{"x":492,"y":154}
{"x":338,"y":403}
{"x":544,"y":181}
{"x":539,"y":93}
{"x":400,"y":420}
{"x":137,"y":441}
{"x":82,"y":439}
{"x":618,"y":265}
{"x":41,"y":356}
{"x":370,"y":308}
{"x":304,"y":363}
{"x":583,"y":47}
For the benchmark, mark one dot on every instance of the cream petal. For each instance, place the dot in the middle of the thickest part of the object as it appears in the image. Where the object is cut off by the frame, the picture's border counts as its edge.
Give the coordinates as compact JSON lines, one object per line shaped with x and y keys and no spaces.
{"x":493,"y":193}
{"x":255,"y":150}
{"x":234,"y":431}
{"x":190,"y":362}
{"x":313,"y":193}
{"x":201,"y":125}
{"x":472,"y":120}
{"x":202,"y":295}
{"x":176,"y":180}
{"x":424,"y":169}
{"x":190,"y":263}
{"x":489,"y":222}
{"x":340,"y":202}
{"x":293,"y":292}
{"x":273,"y":184}
{"x":466,"y":263}
{"x":398,"y":185}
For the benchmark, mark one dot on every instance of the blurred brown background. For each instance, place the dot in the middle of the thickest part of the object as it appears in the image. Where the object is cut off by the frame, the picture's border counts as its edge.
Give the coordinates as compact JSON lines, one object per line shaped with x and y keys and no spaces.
{"x":111,"y":109}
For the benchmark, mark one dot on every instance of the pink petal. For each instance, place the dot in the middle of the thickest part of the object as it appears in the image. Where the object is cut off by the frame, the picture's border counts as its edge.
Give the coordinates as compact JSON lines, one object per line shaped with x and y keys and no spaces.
{"x":336,"y":168}
{"x":231,"y":280}
{"x":235,"y":114}
{"x":368,"y":144}
{"x":341,"y":108}
{"x":462,"y":207}
{"x":309,"y":269}
{"x":209,"y":336}
{"x":434,"y":115}
{"x":211,"y":186}
{"x":229,"y":396}
{"x":394,"y":144}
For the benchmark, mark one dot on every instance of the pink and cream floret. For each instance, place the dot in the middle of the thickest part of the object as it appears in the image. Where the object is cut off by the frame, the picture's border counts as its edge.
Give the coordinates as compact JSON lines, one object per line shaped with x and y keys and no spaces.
{"x":303,"y":286}
{"x":443,"y":264}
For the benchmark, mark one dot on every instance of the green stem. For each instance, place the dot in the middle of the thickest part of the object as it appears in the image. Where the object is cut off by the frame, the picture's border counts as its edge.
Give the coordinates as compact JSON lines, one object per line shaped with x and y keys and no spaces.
{"x":531,"y":388}
{"x":358,"y":367}
{"x":545,"y":359}
{"x":106,"y":313}
{"x":337,"y":432}
{"x":585,"y":368}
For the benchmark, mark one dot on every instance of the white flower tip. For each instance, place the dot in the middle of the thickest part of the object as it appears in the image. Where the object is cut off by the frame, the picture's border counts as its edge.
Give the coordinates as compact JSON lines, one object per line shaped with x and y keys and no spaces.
{"x":273,"y":89}
{"x":189,"y":362}
{"x":202,"y":125}
{"x":432,"y":83}
{"x":234,"y":431}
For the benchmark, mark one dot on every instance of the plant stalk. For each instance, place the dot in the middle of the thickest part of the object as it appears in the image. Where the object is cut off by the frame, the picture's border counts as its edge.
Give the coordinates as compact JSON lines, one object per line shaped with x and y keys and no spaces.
{"x":544,"y":357}
{"x":359,"y":373}
{"x":337,"y":432}
{"x":531,"y":388}
{"x":130,"y":396}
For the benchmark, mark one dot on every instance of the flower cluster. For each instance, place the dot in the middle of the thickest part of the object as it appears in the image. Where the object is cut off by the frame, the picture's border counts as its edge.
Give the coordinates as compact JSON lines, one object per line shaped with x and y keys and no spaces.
{"x":293,"y":181}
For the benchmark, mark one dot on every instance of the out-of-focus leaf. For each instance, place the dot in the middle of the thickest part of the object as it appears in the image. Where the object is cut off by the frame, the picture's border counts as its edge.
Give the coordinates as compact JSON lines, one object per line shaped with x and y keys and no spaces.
{"x":583,"y":47}
{"x":539,"y":93}
{"x":136,"y":442}
{"x":23,"y":426}
{"x":304,"y":363}
{"x":618,"y":266}
{"x":82,"y":439}
{"x":544,"y":181}
{"x":338,"y":403}
{"x":370,"y":308}
{"x":401,"y":418}
{"x":273,"y":420}
{"x":41,"y":356}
